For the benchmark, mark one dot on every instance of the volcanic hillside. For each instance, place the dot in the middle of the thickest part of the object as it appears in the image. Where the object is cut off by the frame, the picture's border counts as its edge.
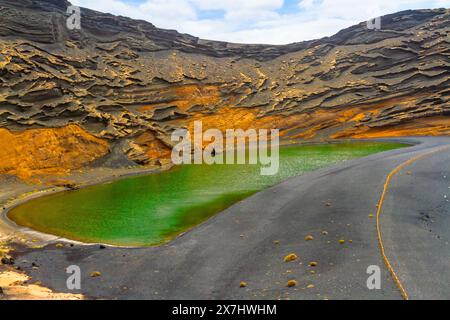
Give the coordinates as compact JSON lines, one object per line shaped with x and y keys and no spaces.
{"x":119,"y":86}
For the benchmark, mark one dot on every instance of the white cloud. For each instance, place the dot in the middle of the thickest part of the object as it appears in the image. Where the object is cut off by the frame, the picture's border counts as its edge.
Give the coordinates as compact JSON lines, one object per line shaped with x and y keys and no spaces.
{"x":306,"y":4}
{"x":243,"y":17}
{"x":257,"y":21}
{"x":236,"y":5}
{"x":163,"y":13}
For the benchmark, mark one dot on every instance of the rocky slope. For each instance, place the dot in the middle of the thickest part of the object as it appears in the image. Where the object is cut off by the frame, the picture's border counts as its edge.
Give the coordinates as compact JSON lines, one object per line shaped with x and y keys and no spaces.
{"x":120,"y":86}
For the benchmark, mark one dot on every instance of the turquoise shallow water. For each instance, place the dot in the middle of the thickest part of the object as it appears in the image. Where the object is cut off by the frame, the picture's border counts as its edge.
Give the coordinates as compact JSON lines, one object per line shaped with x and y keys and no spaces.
{"x":150,"y":210}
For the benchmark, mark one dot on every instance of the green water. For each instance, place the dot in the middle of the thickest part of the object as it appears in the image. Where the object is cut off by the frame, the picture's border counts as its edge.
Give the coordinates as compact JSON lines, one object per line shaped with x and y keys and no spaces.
{"x":150,"y":210}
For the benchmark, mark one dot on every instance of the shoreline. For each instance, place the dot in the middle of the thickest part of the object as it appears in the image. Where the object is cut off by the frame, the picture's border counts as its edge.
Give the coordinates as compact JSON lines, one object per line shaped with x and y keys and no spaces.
{"x":14,"y":282}
{"x":13,"y":235}
{"x":7,"y":226}
{"x":213,"y":258}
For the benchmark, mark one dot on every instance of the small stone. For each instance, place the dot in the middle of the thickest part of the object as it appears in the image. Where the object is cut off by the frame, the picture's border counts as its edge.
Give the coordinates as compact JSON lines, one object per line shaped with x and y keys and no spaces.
{"x":325,"y":233}
{"x":313,"y":264}
{"x":243,"y":284}
{"x":309,"y":238}
{"x":291,"y":283}
{"x":350,"y":241}
{"x":276,"y":242}
{"x":290,"y":257}
{"x":96,"y":274}
{"x":371,"y":215}
{"x":7,"y":261}
{"x":310,"y":286}
{"x":342,"y":241}
{"x":59,"y":245}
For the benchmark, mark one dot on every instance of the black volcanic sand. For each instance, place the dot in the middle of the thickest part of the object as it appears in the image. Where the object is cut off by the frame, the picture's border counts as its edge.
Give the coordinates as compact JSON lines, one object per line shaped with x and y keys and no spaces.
{"x":249,"y":241}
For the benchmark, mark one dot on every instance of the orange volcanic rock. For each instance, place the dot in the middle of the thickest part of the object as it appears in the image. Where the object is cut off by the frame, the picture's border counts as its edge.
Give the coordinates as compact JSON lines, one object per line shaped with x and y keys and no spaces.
{"x":48,"y":151}
{"x":434,"y":126}
{"x":151,"y":147}
{"x":186,"y":97}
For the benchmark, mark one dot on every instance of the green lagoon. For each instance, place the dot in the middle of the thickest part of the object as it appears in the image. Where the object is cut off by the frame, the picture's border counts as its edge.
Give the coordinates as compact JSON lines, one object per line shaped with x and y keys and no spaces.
{"x":150,"y":210}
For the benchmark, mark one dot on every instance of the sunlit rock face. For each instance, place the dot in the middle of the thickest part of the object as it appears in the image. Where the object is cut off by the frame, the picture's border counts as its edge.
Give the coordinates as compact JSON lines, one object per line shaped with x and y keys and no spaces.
{"x":130,"y":84}
{"x":48,"y":151}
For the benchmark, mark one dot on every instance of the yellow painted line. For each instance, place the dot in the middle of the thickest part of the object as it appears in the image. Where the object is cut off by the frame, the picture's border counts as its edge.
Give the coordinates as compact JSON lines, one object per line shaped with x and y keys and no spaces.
{"x":380,"y":208}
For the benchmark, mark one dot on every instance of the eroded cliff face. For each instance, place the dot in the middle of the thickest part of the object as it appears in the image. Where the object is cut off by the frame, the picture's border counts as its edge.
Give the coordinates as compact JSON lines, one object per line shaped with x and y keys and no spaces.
{"x":127,"y":84}
{"x":48,"y":151}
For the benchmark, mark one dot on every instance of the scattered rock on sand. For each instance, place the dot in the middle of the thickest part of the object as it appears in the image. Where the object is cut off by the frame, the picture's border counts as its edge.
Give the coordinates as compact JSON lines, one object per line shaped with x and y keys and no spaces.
{"x":313,"y":264}
{"x":95,"y":274}
{"x":243,"y":284}
{"x":291,"y":283}
{"x":309,"y":238}
{"x":290,"y":257}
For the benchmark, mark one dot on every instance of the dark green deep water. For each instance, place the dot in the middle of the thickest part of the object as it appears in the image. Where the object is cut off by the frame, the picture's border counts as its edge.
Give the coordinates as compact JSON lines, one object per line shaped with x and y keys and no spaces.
{"x":152,"y":209}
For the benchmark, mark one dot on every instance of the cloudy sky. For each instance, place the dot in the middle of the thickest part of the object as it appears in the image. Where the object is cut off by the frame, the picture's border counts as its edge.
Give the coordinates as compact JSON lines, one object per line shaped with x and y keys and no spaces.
{"x":256,"y":21}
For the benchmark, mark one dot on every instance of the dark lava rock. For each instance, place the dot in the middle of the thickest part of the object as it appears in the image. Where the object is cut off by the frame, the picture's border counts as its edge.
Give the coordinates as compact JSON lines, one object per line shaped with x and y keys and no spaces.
{"x":7,"y":261}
